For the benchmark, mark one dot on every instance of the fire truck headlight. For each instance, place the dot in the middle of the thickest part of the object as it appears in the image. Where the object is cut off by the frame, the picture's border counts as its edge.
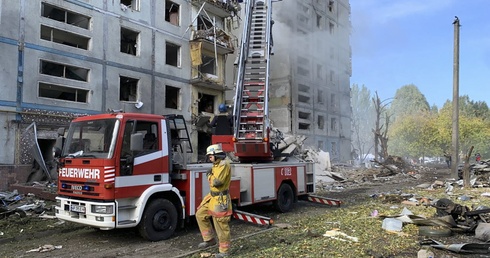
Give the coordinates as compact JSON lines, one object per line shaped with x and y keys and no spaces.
{"x":102,"y":209}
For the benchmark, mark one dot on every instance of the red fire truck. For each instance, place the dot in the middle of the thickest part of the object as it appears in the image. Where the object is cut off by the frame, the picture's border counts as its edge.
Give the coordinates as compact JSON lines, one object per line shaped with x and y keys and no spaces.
{"x":121,"y":170}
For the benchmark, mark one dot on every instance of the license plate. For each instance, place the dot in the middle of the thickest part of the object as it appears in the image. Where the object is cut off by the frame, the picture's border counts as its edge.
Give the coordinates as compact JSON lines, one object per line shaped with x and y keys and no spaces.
{"x":77,"y":208}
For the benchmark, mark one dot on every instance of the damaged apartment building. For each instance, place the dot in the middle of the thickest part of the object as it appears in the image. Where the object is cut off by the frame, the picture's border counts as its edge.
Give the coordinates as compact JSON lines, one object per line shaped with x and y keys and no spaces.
{"x":67,"y":58}
{"x":310,"y":73}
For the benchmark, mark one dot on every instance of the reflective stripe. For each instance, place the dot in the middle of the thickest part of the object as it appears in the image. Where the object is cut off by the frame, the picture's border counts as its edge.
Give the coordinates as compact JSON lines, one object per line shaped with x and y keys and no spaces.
{"x":220,"y":214}
{"x":205,"y":233}
{"x":224,"y":245}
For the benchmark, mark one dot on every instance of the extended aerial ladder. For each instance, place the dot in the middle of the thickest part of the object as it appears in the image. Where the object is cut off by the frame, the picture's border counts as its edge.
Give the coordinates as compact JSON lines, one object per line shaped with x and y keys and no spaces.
{"x":251,"y":120}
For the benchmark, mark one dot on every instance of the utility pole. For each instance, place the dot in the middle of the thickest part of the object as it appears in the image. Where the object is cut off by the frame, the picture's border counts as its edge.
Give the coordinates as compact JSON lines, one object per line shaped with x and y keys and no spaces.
{"x":455,"y":135}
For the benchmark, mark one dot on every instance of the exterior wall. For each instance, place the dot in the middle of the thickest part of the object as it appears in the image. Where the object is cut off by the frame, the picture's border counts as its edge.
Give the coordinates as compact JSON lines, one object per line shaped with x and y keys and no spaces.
{"x":316,"y":83}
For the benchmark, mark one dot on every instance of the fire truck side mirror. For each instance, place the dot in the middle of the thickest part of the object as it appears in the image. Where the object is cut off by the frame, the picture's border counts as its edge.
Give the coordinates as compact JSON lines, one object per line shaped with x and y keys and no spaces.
{"x":61,"y":131}
{"x":56,"y":152}
{"x":136,"y":142}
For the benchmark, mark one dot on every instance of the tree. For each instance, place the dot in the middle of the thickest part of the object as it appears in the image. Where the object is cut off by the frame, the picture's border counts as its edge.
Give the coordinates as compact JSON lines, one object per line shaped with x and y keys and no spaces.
{"x":362,"y":120}
{"x":415,"y":136}
{"x":471,"y":108}
{"x":408,"y":100}
{"x":474,"y":125}
{"x":380,"y":133}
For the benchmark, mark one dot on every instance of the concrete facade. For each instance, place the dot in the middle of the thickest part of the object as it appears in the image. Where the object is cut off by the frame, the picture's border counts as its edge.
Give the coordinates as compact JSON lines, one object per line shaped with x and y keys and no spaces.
{"x":66,"y":58}
{"x":310,"y":73}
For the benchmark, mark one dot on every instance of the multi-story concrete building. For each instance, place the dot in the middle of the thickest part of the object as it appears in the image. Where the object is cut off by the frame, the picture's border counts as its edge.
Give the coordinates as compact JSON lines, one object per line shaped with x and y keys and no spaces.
{"x":310,"y":73}
{"x":64,"y":58}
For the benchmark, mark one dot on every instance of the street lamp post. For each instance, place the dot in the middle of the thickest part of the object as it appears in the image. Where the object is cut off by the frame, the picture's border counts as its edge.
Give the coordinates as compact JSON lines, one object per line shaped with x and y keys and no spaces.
{"x":455,"y":133}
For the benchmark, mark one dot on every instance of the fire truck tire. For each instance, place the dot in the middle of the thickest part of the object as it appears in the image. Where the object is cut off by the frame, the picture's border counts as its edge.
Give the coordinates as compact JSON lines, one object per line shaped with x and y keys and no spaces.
{"x":285,"y":198}
{"x":159,"y":220}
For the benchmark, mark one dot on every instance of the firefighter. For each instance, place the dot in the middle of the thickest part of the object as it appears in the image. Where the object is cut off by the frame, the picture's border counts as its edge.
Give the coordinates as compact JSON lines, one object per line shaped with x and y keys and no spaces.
{"x":222,"y":123}
{"x":216,"y":205}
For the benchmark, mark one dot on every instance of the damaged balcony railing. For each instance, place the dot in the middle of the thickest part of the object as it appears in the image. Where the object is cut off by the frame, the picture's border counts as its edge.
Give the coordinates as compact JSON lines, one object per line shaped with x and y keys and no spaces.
{"x":230,"y":7}
{"x":222,"y":38}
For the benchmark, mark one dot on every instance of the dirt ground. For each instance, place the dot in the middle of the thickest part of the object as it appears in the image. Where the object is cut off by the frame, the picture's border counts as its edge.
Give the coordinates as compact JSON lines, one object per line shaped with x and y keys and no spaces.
{"x":36,"y":237}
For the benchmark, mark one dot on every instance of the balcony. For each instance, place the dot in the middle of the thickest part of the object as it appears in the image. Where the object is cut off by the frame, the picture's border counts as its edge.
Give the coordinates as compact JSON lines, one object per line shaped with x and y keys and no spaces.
{"x":219,"y":8}
{"x":224,"y":43}
{"x":206,"y":80}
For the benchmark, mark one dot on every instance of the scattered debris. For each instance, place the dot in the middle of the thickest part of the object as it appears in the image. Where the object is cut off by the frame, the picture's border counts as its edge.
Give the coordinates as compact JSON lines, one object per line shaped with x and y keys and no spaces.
{"x":13,"y":203}
{"x":392,"y":224}
{"x":45,"y":248}
{"x":466,"y":248}
{"x":336,"y":234}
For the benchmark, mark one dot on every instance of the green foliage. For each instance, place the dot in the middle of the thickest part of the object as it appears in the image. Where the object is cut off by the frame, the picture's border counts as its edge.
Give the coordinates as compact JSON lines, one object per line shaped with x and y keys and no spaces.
{"x":408,"y":100}
{"x":417,"y":129}
{"x":413,"y":136}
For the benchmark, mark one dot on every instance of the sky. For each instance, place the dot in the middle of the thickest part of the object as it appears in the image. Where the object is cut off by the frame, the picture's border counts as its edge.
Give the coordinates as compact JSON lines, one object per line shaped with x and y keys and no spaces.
{"x":400,"y":42}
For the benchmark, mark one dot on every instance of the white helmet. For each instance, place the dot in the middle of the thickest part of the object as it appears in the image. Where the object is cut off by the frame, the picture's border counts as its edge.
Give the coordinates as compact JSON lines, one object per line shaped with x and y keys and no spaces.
{"x":214,"y":149}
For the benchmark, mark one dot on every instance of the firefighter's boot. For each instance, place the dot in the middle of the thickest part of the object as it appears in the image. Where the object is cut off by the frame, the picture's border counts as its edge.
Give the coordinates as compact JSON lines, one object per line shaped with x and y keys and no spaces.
{"x":221,"y":255}
{"x":206,"y":244}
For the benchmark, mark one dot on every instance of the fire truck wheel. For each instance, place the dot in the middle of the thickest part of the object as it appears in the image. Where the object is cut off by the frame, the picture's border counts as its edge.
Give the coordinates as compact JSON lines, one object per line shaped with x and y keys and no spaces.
{"x":159,"y":220}
{"x":285,"y":198}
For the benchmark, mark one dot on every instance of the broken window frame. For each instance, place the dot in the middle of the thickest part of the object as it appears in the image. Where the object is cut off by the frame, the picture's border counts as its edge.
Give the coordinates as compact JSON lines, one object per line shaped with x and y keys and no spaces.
{"x":333,"y":148}
{"x":320,"y":97}
{"x":321,"y":122}
{"x":65,"y":16}
{"x":175,"y":92}
{"x":128,"y":89}
{"x":65,"y":69}
{"x":333,"y":124}
{"x":303,"y":99}
{"x":131,"y":43}
{"x":330,"y":6}
{"x":304,"y":115}
{"x":203,"y":23}
{"x":319,"y":23}
{"x":61,"y":36}
{"x":303,"y":71}
{"x":134,"y":5}
{"x":208,"y":65}
{"x":177,"y":62}
{"x":172,"y":7}
{"x":62,"y":92}
{"x":303,"y":126}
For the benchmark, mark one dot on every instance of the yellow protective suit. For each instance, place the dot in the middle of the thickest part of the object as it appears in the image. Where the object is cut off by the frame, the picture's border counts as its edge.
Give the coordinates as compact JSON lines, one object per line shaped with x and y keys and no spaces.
{"x":217,"y":205}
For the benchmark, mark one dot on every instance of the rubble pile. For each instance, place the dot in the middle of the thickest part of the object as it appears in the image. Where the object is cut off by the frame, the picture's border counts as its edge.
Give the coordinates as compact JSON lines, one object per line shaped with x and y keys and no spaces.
{"x":393,"y":169}
{"x":15,"y":204}
{"x":479,"y":173}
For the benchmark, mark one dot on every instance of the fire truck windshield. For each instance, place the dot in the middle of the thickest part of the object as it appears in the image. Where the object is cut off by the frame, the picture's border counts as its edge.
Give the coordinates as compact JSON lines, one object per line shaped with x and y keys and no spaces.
{"x":91,"y":139}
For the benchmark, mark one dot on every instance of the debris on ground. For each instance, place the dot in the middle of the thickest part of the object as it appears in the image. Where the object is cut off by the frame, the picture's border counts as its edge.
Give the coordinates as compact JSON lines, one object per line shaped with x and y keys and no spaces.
{"x":20,"y":205}
{"x":45,"y":248}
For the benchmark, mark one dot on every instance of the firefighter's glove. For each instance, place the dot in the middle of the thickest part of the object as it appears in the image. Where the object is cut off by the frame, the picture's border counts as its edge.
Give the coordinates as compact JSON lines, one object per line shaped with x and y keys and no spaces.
{"x":209,"y":172}
{"x":217,"y":183}
{"x":222,"y":204}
